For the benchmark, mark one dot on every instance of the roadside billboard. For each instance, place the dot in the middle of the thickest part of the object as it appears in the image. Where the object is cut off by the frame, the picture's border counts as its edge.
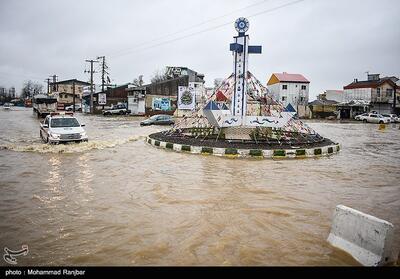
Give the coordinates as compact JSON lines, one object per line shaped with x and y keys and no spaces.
{"x":102,"y":99}
{"x":186,"y":97}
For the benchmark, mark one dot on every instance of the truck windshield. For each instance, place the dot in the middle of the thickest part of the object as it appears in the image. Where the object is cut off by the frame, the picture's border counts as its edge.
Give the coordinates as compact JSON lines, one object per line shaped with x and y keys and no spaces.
{"x":64,"y":122}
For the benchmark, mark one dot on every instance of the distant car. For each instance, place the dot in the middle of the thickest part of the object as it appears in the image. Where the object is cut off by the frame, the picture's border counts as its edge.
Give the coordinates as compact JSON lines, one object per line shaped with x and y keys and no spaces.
{"x":7,"y":106}
{"x":158,"y":119}
{"x":118,"y":109}
{"x":393,"y":117}
{"x":78,"y":107}
{"x":58,"y":128}
{"x":375,"y":118}
{"x":361,"y":117}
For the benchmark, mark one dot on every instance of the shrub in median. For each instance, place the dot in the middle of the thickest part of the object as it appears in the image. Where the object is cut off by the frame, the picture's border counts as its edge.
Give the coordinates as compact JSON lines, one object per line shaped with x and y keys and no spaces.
{"x":279,"y":153}
{"x":207,"y":150}
{"x":317,"y":151}
{"x":255,"y":152}
{"x":300,"y":152}
{"x":157,"y":143}
{"x":330,"y":150}
{"x":169,"y":145}
{"x":231,"y":151}
{"x":185,"y":148}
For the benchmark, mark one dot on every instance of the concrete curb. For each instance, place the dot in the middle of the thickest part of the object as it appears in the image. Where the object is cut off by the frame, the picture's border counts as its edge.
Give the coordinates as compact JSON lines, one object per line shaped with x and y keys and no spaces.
{"x":368,"y":239}
{"x":299,"y":153}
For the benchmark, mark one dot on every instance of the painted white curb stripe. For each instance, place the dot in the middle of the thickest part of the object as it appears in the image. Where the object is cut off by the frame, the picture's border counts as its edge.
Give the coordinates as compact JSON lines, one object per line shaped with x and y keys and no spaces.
{"x":248,"y":153}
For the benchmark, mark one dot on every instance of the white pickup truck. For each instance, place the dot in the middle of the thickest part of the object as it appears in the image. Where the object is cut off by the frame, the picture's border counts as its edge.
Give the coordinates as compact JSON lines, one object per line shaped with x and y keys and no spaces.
{"x":373,"y":118}
{"x":118,"y":109}
{"x":62,"y":127}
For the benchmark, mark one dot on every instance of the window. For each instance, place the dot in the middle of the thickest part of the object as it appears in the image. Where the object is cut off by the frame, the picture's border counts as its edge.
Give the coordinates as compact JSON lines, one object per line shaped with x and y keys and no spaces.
{"x":389,"y":92}
{"x":284,"y":87}
{"x":303,"y":87}
{"x":301,"y":99}
{"x":64,"y":122}
{"x":283,"y":98}
{"x":378,"y":92}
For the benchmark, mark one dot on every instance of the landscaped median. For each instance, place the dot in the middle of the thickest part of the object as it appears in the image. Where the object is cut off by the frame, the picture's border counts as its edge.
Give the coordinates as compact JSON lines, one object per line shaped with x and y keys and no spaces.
{"x":248,"y":153}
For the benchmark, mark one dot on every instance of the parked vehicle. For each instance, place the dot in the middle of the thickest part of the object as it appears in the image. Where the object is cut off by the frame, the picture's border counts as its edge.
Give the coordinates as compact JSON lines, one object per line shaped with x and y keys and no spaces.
{"x":78,"y":107}
{"x":118,"y":109}
{"x":43,"y":105}
{"x":393,"y":117}
{"x":7,"y":106}
{"x":59,"y":128}
{"x":158,"y":119}
{"x":361,"y":117}
{"x":376,"y":118}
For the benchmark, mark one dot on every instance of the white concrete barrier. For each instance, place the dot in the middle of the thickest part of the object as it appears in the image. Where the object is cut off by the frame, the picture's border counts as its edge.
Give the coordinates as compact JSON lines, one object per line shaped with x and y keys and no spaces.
{"x":367,"y":238}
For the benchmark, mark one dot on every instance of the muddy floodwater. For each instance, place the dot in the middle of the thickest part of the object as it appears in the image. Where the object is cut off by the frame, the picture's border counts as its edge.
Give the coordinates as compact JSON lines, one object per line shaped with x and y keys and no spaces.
{"x":119,"y":201}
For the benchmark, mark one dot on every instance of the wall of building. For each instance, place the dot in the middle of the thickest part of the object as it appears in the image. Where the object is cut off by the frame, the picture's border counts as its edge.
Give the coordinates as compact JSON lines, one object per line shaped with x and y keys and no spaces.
{"x":383,"y":96}
{"x":357,"y":94}
{"x":335,"y":95}
{"x":293,"y":94}
{"x":382,"y":108}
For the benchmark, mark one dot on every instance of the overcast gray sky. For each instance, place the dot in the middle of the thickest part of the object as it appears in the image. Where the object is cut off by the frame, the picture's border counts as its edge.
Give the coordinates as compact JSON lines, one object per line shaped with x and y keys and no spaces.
{"x":330,"y":42}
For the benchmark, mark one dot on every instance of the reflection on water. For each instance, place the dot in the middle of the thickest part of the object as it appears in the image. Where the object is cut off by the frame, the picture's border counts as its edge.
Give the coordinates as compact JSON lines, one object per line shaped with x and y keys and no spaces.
{"x":118,"y":201}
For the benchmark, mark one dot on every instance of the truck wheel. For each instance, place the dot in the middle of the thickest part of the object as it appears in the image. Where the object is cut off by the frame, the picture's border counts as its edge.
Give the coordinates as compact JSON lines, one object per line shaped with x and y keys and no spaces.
{"x":381,"y":122}
{"x":121,"y":112}
{"x":365,"y":120}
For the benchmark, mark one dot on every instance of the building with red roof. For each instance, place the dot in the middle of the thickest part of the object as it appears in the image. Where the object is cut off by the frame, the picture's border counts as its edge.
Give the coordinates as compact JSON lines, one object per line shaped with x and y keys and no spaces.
{"x":290,"y":89}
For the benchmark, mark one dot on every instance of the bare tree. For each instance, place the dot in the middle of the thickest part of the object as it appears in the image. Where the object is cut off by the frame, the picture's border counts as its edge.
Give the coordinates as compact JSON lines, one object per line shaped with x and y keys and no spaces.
{"x":138,"y":81}
{"x":217,"y":82}
{"x":31,"y":89}
{"x":159,"y":76}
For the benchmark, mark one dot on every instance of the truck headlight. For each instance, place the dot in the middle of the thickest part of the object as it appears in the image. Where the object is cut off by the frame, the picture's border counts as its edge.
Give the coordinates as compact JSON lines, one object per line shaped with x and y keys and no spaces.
{"x":55,"y":136}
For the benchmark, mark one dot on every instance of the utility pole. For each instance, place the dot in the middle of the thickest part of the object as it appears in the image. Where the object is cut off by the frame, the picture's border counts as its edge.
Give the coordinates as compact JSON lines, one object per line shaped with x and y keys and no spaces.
{"x":48,"y":85}
{"x":104,"y":68}
{"x":103,"y":71}
{"x":394,"y":98}
{"x":55,"y":87}
{"x":73,"y":96}
{"x":91,"y":61}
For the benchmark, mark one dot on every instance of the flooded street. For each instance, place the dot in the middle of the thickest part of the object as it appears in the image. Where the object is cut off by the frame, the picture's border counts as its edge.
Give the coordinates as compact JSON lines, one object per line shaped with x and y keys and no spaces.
{"x":119,"y":201}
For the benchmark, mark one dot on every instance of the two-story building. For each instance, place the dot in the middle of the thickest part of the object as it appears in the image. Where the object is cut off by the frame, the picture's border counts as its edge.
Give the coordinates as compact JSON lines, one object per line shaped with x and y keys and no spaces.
{"x":378,"y":92}
{"x":64,"y":91}
{"x":162,"y":96}
{"x":290,"y":89}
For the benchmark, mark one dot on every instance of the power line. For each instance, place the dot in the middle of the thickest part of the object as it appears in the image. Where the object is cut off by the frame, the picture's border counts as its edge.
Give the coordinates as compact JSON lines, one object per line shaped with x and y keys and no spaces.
{"x":209,"y":29}
{"x":189,"y":28}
